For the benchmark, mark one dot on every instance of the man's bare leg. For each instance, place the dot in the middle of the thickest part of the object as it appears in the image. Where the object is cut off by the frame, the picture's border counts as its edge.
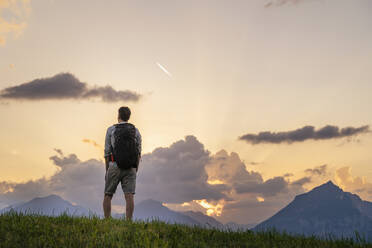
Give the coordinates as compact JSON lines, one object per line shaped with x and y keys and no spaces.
{"x":129,"y":199}
{"x":107,"y":205}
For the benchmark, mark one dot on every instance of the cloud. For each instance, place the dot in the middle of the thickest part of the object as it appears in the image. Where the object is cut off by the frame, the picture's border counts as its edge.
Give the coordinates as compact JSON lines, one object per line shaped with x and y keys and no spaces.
{"x":173,"y":174}
{"x":63,"y":161}
{"x":303,"y":134}
{"x":59,"y":151}
{"x":13,"y":17}
{"x":344,"y":178}
{"x":65,"y":86}
{"x":89,"y":141}
{"x":230,"y":170}
{"x":77,"y":181}
{"x":302,"y":181}
{"x":317,"y":171}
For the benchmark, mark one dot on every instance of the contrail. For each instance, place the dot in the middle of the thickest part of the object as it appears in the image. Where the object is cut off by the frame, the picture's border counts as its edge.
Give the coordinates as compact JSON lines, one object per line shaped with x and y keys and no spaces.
{"x":272,"y":3}
{"x":164,"y":70}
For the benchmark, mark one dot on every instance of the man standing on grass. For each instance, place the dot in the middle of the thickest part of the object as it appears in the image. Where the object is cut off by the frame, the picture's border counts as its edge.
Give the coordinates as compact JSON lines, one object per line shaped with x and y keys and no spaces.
{"x":122,"y":155}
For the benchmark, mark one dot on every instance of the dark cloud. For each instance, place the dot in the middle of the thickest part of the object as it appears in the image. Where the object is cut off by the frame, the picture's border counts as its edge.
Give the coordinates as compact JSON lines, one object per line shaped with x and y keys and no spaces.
{"x":303,"y":134}
{"x":60,"y":162}
{"x":270,"y":187}
{"x":66,"y":86}
{"x":89,"y":141}
{"x":302,"y":181}
{"x":59,"y":151}
{"x":317,"y":171}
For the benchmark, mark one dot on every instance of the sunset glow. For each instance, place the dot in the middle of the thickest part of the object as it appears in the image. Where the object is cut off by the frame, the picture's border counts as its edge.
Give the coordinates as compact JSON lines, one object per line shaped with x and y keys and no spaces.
{"x":210,"y":208}
{"x":214,"y":182}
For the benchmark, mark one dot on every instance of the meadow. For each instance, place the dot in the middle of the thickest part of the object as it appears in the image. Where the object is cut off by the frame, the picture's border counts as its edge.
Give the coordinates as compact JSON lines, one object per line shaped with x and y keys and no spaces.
{"x":19,"y":230}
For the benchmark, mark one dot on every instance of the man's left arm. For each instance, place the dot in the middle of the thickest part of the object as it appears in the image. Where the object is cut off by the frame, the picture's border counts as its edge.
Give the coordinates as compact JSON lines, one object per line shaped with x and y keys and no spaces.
{"x":139,"y":146}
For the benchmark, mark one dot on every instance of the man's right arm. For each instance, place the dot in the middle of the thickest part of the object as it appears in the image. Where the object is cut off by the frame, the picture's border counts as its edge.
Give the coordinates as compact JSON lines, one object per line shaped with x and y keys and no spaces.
{"x":107,"y":150}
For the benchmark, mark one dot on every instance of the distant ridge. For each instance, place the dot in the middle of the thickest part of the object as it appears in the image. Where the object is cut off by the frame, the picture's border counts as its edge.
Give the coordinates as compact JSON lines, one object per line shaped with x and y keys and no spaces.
{"x":51,"y":205}
{"x":151,"y":209}
{"x":147,"y":210}
{"x":324,"y":210}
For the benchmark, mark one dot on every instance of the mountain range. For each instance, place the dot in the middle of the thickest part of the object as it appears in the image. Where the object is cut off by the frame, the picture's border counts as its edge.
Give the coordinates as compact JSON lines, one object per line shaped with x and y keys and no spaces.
{"x":147,"y":210}
{"x":323,"y":211}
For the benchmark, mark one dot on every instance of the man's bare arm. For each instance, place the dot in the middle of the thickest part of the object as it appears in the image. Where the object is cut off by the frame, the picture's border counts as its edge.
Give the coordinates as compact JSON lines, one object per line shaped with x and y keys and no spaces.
{"x":139,"y":146}
{"x":107,"y":149}
{"x":139,"y":160}
{"x":107,"y":160}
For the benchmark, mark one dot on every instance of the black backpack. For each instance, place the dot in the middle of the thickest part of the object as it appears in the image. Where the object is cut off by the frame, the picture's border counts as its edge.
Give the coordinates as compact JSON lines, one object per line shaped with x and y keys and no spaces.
{"x":125,"y":149}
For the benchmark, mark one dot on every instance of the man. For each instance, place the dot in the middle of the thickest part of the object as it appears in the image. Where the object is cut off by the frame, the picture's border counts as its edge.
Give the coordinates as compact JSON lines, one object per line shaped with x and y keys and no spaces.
{"x":114,"y":174}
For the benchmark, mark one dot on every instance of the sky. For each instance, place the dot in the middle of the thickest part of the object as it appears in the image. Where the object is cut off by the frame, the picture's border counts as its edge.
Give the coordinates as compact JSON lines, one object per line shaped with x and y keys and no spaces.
{"x":241,"y":104}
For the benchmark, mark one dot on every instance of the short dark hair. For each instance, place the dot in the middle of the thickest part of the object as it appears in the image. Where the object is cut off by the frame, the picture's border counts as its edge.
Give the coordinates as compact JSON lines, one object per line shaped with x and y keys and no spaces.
{"x":124,"y":113}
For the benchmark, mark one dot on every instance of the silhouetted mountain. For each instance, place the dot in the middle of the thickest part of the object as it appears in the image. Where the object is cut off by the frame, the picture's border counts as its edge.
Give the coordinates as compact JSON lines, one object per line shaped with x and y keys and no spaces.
{"x":151,"y":209}
{"x":52,"y":205}
{"x":326,"y":209}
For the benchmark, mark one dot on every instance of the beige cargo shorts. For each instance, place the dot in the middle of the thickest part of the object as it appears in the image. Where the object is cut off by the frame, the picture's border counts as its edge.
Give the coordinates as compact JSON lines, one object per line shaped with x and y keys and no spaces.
{"x":114,"y":175}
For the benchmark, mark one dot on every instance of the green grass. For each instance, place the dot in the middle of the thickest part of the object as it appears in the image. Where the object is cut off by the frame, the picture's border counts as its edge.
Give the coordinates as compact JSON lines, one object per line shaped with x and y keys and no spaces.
{"x":18,"y":230}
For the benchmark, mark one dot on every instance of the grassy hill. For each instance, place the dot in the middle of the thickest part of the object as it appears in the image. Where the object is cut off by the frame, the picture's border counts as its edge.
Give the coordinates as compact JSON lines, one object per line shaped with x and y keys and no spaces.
{"x":18,"y":230}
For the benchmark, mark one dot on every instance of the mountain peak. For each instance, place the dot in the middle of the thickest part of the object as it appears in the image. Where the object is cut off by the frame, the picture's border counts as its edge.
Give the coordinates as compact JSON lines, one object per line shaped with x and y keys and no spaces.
{"x":53,"y":197}
{"x":52,"y":205}
{"x":328,"y":186}
{"x":330,"y":183}
{"x":50,"y":198}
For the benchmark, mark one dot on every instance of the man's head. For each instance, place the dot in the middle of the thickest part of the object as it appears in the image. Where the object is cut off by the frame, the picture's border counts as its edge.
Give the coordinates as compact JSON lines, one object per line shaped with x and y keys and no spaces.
{"x":124,"y":114}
